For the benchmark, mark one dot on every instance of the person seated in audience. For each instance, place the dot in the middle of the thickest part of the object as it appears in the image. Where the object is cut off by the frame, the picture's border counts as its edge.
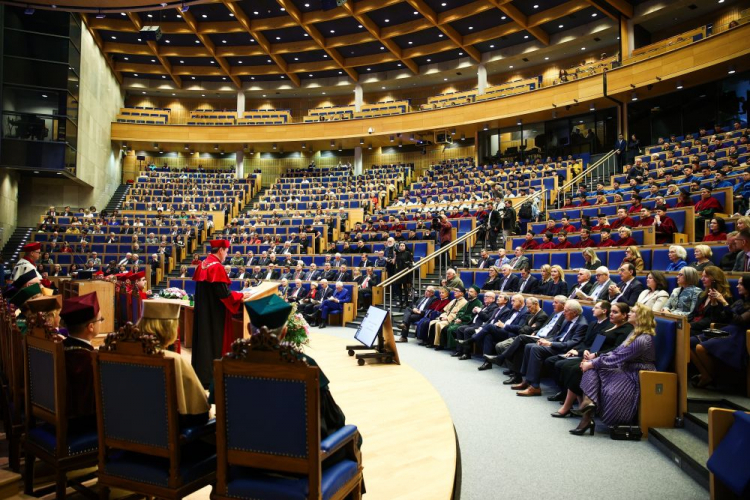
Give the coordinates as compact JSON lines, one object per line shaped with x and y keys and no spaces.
{"x":742,"y":243}
{"x":510,"y":351}
{"x":606,"y":240}
{"x":529,"y":243}
{"x":565,"y":226}
{"x":82,"y":318}
{"x":655,"y":294}
{"x":502,"y":257}
{"x":526,"y":282}
{"x":677,"y":256}
{"x":519,"y":260}
{"x":436,"y":307}
{"x":477,"y":317}
{"x":562,"y":241}
{"x":684,"y":199}
{"x":570,"y":334}
{"x":297,"y":293}
{"x":452,"y":280}
{"x":731,"y":350}
{"x":633,"y":256}
{"x":703,"y":254}
{"x":626,"y":239}
{"x":628,"y":289}
{"x":434,"y":328}
{"x":583,"y":284}
{"x":485,"y":260}
{"x":492,"y":328}
{"x":57,"y":270}
{"x":634,"y":208}
{"x":558,"y":285}
{"x":567,"y":370}
{"x":161,"y":319}
{"x":601,"y":223}
{"x":332,"y":304}
{"x":586,"y":241}
{"x":590,"y":259}
{"x":494,"y":280}
{"x":727,"y":261}
{"x":717,"y":230}
{"x":664,"y":226}
{"x":547,"y":243}
{"x":464,"y":317}
{"x":705,"y":208}
{"x":509,"y":281}
{"x":709,"y":307}
{"x":610,"y":382}
{"x":418,"y":310}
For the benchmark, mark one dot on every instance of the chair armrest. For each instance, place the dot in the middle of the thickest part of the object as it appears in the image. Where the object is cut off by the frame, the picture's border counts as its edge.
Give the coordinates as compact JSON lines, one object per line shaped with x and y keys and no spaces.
{"x":338,"y":439}
{"x":193,"y":433}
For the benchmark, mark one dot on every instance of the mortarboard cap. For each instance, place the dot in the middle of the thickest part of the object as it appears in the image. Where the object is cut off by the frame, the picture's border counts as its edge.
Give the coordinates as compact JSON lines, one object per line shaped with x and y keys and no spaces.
{"x":25,"y":294}
{"x":30,"y":247}
{"x":219,"y":243}
{"x":81,"y":309}
{"x":270,"y":311}
{"x":160,"y":310}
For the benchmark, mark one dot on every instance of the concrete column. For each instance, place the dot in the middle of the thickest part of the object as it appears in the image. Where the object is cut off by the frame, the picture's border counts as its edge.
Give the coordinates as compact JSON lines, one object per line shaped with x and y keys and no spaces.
{"x":358,"y":160}
{"x":240,"y":104}
{"x":627,"y":41}
{"x":239,"y":160}
{"x":481,"y":79}
{"x":358,"y":97}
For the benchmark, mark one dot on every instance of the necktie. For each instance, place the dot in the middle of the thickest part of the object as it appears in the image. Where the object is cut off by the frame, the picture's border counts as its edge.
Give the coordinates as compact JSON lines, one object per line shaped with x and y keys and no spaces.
{"x":622,"y":291}
{"x":481,"y":265}
{"x":549,"y":326}
{"x":365,"y":281}
{"x":510,"y":320}
{"x":747,"y":262}
{"x":505,"y":282}
{"x":523,"y":284}
{"x":573,"y":293}
{"x":422,"y":304}
{"x":570,"y":327}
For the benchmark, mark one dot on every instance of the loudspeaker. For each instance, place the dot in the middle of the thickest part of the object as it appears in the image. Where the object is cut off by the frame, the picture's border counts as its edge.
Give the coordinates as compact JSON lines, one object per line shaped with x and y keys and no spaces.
{"x":152,"y":33}
{"x":332,"y":4}
{"x":140,"y":158}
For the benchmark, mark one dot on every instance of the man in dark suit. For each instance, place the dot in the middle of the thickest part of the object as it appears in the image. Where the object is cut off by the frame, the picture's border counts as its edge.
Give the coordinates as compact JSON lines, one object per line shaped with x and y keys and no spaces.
{"x":271,"y":273}
{"x":510,"y":281}
{"x":364,"y":294}
{"x":298,"y":293}
{"x":83,"y":319}
{"x":257,"y":273}
{"x":628,"y":289}
{"x":600,"y":286}
{"x":601,"y":322}
{"x":323,"y":292}
{"x":572,"y":332}
{"x":485,"y":260}
{"x":519,"y":261}
{"x":314,"y":273}
{"x":242,"y":273}
{"x":510,"y":352}
{"x":620,"y":146}
{"x":584,"y":284}
{"x":415,"y":313}
{"x":343,"y":274}
{"x":328,"y":272}
{"x":263,"y":260}
{"x":526,"y":282}
{"x":380,"y":260}
{"x":362,"y":248}
{"x":493,"y":331}
{"x":364,"y":262}
{"x":481,"y":316}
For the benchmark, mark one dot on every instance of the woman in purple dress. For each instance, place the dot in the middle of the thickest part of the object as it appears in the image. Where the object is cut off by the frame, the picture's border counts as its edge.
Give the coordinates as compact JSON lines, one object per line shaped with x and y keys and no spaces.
{"x":610,"y":382}
{"x":729,"y":350}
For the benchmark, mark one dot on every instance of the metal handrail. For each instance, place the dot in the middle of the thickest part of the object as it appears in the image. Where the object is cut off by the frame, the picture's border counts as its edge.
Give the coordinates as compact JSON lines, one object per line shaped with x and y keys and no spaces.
{"x":568,"y":185}
{"x":441,"y":251}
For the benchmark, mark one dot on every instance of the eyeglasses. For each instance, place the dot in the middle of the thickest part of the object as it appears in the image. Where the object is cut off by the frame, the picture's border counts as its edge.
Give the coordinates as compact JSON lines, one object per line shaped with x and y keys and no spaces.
{"x":97,"y":320}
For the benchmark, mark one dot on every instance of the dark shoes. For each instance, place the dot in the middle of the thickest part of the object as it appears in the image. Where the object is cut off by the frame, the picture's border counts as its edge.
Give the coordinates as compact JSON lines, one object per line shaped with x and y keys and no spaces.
{"x":514,"y":379}
{"x":322,"y":324}
{"x":485,"y":366}
{"x":464,"y":357}
{"x":455,"y":354}
{"x":402,"y":339}
{"x":560,"y":396}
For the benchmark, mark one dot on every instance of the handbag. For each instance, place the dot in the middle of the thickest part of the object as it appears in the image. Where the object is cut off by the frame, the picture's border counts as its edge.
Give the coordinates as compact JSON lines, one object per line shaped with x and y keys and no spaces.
{"x":626,"y":433}
{"x":715,"y":333}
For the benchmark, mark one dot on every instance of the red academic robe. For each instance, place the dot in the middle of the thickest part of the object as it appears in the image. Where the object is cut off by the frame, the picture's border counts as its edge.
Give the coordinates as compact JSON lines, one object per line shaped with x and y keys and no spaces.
{"x":608,"y":243}
{"x":214,"y":306}
{"x":627,"y":221}
{"x":530,"y":245}
{"x":547,"y":246}
{"x":586,"y":244}
{"x":626,"y":242}
{"x":563,"y":245}
{"x":709,"y":204}
{"x":715,"y":237}
{"x":648,"y":221}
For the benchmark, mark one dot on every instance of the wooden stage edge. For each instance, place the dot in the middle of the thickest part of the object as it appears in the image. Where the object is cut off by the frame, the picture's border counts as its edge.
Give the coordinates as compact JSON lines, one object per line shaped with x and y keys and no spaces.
{"x":409,"y":443}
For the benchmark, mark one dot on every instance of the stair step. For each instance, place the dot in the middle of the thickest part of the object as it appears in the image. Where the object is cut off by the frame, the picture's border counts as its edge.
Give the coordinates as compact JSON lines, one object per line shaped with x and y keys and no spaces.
{"x":686,"y":450}
{"x":697,"y":424}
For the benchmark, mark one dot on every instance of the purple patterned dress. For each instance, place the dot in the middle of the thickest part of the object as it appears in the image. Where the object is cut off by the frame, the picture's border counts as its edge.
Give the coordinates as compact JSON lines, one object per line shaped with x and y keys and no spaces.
{"x":612,"y":383}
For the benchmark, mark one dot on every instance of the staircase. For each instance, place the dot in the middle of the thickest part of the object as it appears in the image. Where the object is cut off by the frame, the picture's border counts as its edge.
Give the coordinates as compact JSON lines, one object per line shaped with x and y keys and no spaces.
{"x":687,"y":447}
{"x":12,"y":249}
{"x":253,"y":200}
{"x":115,"y":203}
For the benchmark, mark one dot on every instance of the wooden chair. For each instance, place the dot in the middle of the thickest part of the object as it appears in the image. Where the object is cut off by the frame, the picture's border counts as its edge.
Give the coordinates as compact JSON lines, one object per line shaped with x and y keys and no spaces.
{"x":141,"y":446}
{"x":11,"y":384}
{"x":275,"y":447}
{"x":48,"y":433}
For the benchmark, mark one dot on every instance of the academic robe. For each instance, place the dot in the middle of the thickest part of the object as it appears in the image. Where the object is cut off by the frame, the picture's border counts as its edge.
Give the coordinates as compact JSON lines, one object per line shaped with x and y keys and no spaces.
{"x":214,"y":306}
{"x":79,"y":372}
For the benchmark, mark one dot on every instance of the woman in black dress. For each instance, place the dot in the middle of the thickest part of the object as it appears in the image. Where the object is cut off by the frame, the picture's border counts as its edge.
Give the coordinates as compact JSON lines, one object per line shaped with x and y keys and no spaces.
{"x":494,"y":280}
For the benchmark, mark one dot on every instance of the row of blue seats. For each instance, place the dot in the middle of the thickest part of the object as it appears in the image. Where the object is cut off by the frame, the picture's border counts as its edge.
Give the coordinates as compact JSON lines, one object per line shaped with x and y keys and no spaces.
{"x":377,"y":271}
{"x":309,"y":205}
{"x":419,"y":248}
{"x":611,"y":208}
{"x":656,"y":258}
{"x":65,"y":220}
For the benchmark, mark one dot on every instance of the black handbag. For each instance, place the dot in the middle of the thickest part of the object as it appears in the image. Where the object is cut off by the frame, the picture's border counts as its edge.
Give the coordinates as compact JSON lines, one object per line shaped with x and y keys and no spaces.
{"x":715,"y":333}
{"x":626,"y":433}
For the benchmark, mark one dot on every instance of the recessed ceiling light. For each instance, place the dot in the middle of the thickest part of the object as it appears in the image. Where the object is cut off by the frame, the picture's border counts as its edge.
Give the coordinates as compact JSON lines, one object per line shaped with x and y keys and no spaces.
{"x":282,"y":76}
{"x":252,"y":78}
{"x":223,"y":77}
{"x":179,"y":16}
{"x":546,"y":58}
{"x":593,"y":15}
{"x":193,"y":78}
{"x":283,"y":9}
{"x":368,"y":69}
{"x":296,"y":58}
{"x":213,"y":62}
{"x":445,"y":79}
{"x":410,"y":43}
{"x":471,"y":27}
{"x":382,"y":48}
{"x":240,"y":62}
{"x":44,"y":95}
{"x":182,"y":62}
{"x":264,"y":95}
{"x":536,"y":6}
{"x":203,"y":95}
{"x":310,"y":75}
{"x":416,"y":13}
{"x":252,"y":40}
{"x":511,"y":66}
{"x":388,"y":20}
{"x":583,"y":48}
{"x":223,"y":41}
{"x":333,"y":31}
{"x":306,"y":34}
{"x":163,"y":76}
{"x":504,"y":18}
{"x":324,"y":93}
{"x":255,"y":12}
{"x":307,"y":5}
{"x":114,"y":38}
{"x":269,"y":61}
{"x":440,"y":35}
{"x":443,"y":4}
{"x":460,"y":53}
{"x":173,"y":93}
{"x":560,"y":26}
{"x":325,"y":55}
{"x":429,"y":60}
{"x":399,"y":65}
{"x":135,"y":74}
{"x":341,"y":72}
{"x":526,"y":36}
{"x":153,"y":60}
{"x":492,"y":46}
{"x":126,"y":58}
{"x":359,"y":26}
{"x":382,"y":88}
{"x":278,"y":38}
{"x":139,"y":39}
{"x":123,"y":14}
{"x":197,"y":41}
{"x":231,"y":15}
{"x":204,"y":16}
{"x":149,"y":15}
{"x":166,"y":41}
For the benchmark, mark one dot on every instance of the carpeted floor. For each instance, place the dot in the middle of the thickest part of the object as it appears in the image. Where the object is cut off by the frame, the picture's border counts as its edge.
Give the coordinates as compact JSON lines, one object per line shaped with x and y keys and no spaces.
{"x":512,"y":448}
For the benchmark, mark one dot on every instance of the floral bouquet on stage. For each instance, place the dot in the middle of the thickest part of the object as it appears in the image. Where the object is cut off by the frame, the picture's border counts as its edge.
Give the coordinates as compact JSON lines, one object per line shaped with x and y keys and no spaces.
{"x":174,"y":293}
{"x":297,"y":329}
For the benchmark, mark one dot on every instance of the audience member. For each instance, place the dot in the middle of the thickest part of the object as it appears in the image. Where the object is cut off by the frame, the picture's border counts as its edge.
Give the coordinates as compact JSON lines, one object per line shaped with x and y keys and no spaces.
{"x":683,"y":299}
{"x":677,"y":256}
{"x":655,"y":294}
{"x":628,"y":289}
{"x":710,"y":305}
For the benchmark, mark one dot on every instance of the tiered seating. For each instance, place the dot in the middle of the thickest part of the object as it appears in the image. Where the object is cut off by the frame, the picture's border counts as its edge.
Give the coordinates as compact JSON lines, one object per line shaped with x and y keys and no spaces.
{"x":449,"y":99}
{"x":155,"y":116}
{"x":265,"y":117}
{"x":329,"y":113}
{"x":511,"y":88}
{"x":383,"y":109}
{"x":587,"y":69}
{"x":212,"y":117}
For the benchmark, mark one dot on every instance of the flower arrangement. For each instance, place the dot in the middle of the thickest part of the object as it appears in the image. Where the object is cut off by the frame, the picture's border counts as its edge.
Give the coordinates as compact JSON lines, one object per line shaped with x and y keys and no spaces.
{"x":297,"y":329}
{"x":174,"y":293}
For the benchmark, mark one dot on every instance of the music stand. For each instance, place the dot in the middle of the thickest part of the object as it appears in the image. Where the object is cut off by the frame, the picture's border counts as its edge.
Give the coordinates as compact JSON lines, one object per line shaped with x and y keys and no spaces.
{"x":376,"y":326}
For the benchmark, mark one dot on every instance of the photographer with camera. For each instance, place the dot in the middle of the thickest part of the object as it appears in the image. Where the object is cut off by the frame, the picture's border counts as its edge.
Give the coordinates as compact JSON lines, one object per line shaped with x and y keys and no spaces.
{"x":508,"y":216}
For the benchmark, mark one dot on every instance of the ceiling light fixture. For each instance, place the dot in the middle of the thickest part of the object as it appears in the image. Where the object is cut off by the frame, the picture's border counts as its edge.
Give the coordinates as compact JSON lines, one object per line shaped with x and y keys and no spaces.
{"x":731,"y":70}
{"x":679,"y":85}
{"x":634,"y":97}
